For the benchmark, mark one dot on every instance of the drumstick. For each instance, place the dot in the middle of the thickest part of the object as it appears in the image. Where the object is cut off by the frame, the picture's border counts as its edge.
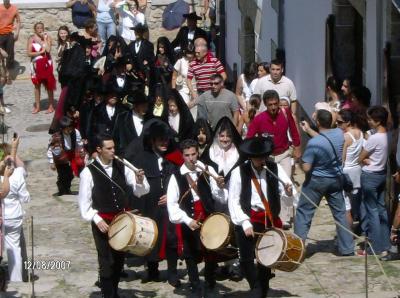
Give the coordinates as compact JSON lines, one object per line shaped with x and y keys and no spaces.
{"x":117,"y":232}
{"x":207,"y":172}
{"x":273,"y":174}
{"x":127,"y":164}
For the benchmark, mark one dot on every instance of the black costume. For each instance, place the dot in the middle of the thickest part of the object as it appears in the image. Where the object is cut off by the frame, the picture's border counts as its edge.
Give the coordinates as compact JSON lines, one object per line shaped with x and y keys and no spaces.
{"x":181,"y":40}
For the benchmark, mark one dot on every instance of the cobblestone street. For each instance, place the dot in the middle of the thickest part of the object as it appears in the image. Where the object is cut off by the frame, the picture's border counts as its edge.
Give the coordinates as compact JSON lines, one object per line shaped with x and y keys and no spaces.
{"x":60,"y":234}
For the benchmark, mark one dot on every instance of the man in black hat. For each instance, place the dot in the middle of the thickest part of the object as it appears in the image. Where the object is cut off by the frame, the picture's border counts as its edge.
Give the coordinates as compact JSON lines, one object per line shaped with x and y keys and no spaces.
{"x":188,"y":34}
{"x":129,"y":124}
{"x":149,"y":153}
{"x":254,"y":204}
{"x":191,"y":198}
{"x":142,"y":52}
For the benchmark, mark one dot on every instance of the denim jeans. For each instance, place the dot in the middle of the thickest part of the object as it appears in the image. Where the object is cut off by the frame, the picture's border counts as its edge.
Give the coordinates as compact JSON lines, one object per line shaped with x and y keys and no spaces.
{"x":376,"y":217}
{"x":106,"y":30}
{"x":315,"y":188}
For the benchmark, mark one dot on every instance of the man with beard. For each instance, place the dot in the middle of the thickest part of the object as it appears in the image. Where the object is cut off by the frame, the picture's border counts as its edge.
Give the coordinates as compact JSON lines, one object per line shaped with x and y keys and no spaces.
{"x":129,"y":124}
{"x":191,"y":198}
{"x":149,"y":153}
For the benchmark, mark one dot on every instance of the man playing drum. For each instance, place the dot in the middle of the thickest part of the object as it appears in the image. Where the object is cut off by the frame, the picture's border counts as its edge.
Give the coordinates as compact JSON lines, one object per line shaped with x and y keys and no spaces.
{"x":254,"y":205}
{"x":103,"y":189}
{"x":191,"y":196}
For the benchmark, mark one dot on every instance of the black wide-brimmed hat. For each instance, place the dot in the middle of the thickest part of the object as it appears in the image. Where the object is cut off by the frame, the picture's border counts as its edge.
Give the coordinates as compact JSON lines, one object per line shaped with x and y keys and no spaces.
{"x":192,"y":16}
{"x":257,"y":147}
{"x":135,"y":97}
{"x":156,"y":128}
{"x":140,"y":28}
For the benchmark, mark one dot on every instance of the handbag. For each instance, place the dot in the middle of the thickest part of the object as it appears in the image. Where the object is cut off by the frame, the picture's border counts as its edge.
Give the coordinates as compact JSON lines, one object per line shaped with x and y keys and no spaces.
{"x":344,"y":178}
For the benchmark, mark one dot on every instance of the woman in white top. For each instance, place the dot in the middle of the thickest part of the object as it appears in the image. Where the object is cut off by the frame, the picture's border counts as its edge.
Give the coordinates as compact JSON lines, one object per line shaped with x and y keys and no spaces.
{"x":243,"y":90}
{"x":131,"y":16}
{"x":353,"y":142}
{"x":374,"y":157}
{"x":262,"y":71}
{"x":179,"y":76}
{"x":13,"y":218}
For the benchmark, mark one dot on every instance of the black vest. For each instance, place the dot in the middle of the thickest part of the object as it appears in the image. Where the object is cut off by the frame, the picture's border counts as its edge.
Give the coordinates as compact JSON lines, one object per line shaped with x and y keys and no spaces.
{"x":106,"y":196}
{"x":203,"y":185}
{"x":272,"y":192}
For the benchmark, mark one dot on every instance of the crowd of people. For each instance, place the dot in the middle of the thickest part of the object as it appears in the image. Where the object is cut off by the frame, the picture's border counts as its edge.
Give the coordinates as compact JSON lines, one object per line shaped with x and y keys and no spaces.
{"x":199,"y":147}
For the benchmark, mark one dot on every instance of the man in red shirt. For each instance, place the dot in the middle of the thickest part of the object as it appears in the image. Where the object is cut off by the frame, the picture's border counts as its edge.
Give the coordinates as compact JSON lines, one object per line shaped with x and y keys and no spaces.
{"x":277,"y":123}
{"x":202,"y":68}
{"x":8,"y":15}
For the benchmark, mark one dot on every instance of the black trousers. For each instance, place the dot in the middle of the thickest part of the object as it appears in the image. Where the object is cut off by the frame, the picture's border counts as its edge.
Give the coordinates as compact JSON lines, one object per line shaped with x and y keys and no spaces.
{"x":110,"y":261}
{"x":7,"y":44}
{"x":257,"y":276}
{"x":193,"y":253}
{"x":64,"y":177}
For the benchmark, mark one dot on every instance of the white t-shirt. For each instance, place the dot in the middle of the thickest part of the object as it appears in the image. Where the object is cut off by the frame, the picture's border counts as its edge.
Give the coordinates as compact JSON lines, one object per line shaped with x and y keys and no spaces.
{"x":181,"y":67}
{"x":377,"y":146}
{"x":129,"y":20}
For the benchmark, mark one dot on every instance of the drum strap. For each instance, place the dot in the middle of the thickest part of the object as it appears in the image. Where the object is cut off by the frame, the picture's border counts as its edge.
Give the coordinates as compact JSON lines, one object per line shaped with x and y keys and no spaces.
{"x":263,"y":200}
{"x":192,"y":184}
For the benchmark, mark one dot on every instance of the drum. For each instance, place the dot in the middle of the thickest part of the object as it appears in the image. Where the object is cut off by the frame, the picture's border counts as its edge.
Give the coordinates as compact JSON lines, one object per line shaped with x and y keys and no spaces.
{"x":281,"y":250}
{"x":216,"y":231}
{"x":132,"y":233}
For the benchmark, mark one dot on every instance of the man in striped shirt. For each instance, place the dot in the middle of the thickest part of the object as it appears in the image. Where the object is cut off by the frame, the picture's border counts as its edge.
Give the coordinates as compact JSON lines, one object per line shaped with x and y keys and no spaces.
{"x":202,"y":68}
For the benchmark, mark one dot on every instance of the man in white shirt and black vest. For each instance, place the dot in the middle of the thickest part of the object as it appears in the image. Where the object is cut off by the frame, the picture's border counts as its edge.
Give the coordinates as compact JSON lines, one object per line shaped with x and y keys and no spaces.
{"x":191,"y":197}
{"x":103,"y":189}
{"x":254,"y":205}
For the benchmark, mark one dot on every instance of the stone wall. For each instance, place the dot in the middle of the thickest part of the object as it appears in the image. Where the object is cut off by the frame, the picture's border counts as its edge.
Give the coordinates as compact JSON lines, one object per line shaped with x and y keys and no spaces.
{"x":53,"y":15}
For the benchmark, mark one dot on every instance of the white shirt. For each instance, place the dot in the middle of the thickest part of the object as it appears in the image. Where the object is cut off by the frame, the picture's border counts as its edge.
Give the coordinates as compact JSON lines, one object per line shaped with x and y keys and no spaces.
{"x":173,"y":121}
{"x":86,"y":184}
{"x":176,"y":214}
{"x":137,"y":46}
{"x":17,"y":195}
{"x":235,"y":188}
{"x":377,"y":147}
{"x":67,"y":144}
{"x":191,"y":34}
{"x":110,"y":111}
{"x":129,"y":20}
{"x":138,"y":123}
{"x":284,"y":87}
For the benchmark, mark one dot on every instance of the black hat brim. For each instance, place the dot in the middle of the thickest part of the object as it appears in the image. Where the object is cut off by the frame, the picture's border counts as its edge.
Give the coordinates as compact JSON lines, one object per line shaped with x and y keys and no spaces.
{"x":192,"y":16}
{"x":257,"y":147}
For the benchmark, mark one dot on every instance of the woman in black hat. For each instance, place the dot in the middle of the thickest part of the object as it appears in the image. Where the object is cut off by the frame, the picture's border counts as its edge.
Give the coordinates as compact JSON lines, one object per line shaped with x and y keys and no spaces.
{"x":254,"y":204}
{"x":178,"y":116}
{"x":149,"y":152}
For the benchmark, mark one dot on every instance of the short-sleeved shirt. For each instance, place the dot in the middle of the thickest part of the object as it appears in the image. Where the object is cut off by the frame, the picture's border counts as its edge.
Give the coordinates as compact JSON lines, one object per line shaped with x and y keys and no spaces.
{"x":377,"y":147}
{"x":7,"y":16}
{"x":203,"y":70}
{"x":225,"y":104}
{"x":284,"y":87}
{"x":80,"y":14}
{"x":319,"y":153}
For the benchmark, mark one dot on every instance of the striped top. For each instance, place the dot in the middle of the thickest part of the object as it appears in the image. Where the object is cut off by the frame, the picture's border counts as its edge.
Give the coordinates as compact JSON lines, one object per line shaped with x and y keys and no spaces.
{"x":203,"y":70}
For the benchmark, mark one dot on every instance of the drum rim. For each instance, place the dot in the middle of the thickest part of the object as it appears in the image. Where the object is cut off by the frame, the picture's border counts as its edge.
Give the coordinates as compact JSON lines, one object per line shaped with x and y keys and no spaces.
{"x":133,"y":229}
{"x":280,"y":232}
{"x":227,"y":240}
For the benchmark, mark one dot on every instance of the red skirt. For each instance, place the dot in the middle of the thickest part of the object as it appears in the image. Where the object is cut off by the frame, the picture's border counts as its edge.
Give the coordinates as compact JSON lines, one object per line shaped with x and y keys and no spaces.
{"x":44,"y":73}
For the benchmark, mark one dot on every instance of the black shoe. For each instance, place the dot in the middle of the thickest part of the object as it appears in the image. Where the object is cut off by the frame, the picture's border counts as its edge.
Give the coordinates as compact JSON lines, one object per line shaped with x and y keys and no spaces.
{"x":390,"y":256}
{"x":175,"y":282}
{"x":195,"y":290}
{"x":153,"y":276}
{"x":123,"y":274}
{"x":68,"y":192}
{"x":97,"y":284}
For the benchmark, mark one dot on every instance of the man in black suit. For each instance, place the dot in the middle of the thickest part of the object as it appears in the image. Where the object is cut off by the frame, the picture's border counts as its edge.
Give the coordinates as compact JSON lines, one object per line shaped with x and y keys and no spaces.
{"x":129,"y":124}
{"x":187,"y":34}
{"x":142,"y":52}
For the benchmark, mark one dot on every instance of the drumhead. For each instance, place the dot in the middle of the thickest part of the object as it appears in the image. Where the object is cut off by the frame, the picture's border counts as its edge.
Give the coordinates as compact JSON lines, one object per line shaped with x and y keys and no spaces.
{"x":269,"y":247}
{"x":121,"y":231}
{"x":215,"y":231}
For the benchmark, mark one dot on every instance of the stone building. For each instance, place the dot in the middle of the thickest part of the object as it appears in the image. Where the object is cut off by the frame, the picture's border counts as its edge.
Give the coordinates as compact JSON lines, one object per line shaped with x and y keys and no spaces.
{"x":347,"y":38}
{"x":54,"y":14}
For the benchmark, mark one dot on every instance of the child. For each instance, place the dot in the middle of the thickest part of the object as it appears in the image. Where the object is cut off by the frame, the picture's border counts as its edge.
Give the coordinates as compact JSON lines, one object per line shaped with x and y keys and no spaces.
{"x":65,"y":154}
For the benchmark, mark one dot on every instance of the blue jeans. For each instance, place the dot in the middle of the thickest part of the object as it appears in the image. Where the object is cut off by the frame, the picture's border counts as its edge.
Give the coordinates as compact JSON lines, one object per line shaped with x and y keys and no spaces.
{"x":106,"y":30}
{"x":315,"y":188}
{"x":376,"y":217}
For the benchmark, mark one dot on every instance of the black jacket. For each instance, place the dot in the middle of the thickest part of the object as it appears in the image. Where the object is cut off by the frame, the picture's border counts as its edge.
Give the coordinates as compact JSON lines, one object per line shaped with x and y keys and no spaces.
{"x":146,"y":52}
{"x":181,"y":39}
{"x":124,"y":132}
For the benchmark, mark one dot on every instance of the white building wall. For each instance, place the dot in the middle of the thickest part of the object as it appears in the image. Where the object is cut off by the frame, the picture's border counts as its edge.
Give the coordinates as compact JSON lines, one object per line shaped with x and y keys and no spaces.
{"x":304,"y":43}
{"x":233,"y":25}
